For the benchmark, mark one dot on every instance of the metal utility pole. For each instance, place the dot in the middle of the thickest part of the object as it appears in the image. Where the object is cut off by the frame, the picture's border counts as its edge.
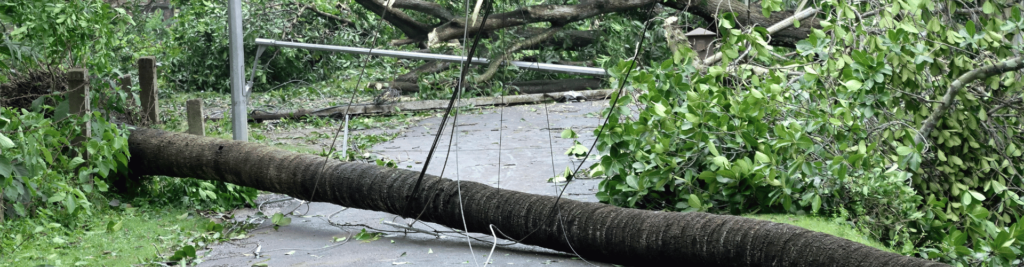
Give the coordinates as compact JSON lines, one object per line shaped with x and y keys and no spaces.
{"x":239,"y":116}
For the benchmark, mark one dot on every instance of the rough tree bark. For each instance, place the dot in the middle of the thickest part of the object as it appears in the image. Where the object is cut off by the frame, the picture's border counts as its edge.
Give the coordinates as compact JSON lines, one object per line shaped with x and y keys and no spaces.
{"x":595,"y":231}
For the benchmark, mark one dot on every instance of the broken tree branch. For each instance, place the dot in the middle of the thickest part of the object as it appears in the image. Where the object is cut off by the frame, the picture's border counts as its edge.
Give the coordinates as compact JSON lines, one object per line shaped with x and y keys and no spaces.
{"x":409,"y":26}
{"x":786,"y":23}
{"x":929,"y":124}
{"x":492,"y":68}
{"x":710,"y":9}
{"x":357,"y":109}
{"x":556,"y":14}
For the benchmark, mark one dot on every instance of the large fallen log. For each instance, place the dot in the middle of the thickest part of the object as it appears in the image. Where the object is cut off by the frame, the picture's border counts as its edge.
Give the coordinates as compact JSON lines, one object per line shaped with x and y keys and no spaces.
{"x":595,"y":231}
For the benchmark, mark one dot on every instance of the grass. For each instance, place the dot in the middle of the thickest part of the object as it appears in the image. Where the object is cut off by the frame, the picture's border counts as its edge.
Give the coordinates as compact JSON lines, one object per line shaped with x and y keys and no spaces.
{"x":144,"y":234}
{"x":823,"y":225}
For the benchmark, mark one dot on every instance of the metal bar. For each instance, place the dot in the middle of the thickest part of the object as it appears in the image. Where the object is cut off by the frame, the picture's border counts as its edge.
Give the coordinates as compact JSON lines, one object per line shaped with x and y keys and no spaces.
{"x":239,"y":114}
{"x":427,"y":56}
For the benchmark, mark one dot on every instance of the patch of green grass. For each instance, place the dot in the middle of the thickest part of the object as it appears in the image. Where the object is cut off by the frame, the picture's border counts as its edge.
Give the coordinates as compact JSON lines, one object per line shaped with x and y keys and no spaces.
{"x":823,"y":225}
{"x":112,"y":237}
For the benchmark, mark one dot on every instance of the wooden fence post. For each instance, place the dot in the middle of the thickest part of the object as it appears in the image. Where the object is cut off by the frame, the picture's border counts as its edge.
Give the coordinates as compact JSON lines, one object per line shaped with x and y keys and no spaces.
{"x":150,"y":93}
{"x":194,"y":108}
{"x":78,"y":103}
{"x":126,"y":86}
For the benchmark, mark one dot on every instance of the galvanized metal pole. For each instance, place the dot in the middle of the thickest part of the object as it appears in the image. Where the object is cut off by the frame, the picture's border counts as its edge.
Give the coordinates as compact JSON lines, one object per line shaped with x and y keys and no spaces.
{"x":428,"y":56}
{"x":239,"y":116}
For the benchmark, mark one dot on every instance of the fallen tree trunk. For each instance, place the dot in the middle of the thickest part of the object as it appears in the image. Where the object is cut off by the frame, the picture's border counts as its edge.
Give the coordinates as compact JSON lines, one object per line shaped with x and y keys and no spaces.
{"x":595,"y":231}
{"x":422,"y":105}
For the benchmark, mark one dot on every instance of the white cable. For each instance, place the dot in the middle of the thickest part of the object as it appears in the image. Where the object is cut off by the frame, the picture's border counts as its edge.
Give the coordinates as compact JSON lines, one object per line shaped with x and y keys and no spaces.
{"x":495,"y":242}
{"x":455,"y":127}
{"x":458,"y":181}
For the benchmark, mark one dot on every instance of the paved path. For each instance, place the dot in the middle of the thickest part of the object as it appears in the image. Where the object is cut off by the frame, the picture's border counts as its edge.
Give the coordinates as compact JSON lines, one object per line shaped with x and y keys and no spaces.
{"x":526,"y":164}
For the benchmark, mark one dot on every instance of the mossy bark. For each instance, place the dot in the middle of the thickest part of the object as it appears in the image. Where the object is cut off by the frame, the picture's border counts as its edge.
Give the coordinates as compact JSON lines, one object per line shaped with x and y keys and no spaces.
{"x":596,"y":231}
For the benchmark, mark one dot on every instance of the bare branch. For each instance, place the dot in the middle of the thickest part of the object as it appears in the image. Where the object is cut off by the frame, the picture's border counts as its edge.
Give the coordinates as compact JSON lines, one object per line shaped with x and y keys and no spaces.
{"x":954,"y":88}
{"x":556,"y":14}
{"x":709,"y":10}
{"x":492,"y":68}
{"x":409,"y":26}
{"x":786,"y":23}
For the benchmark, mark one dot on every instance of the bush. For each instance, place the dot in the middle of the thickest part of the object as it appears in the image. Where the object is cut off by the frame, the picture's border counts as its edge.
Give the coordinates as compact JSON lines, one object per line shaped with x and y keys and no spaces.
{"x":198,"y":51}
{"x":835,"y":135}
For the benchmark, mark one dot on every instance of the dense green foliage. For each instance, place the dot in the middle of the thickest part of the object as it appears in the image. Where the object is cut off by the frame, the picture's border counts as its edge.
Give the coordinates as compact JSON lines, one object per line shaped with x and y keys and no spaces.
{"x":50,"y":192}
{"x":198,"y":43}
{"x":825,"y":129}
{"x":832,"y":131}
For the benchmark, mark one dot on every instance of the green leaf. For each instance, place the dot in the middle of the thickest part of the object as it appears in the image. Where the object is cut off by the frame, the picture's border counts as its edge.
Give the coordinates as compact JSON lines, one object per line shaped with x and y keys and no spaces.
{"x":692,"y":96}
{"x":956,"y":160}
{"x":713,"y":149}
{"x":721,"y":161}
{"x":189,"y":251}
{"x":659,"y":109}
{"x":57,"y":197}
{"x":74,"y":162}
{"x":6,"y":168}
{"x":5,"y":142}
{"x":694,"y":201}
{"x":633,"y":181}
{"x":853,"y":85}
{"x":959,"y":238}
{"x":816,"y":203}
{"x":61,"y":111}
{"x":569,"y":134}
{"x":114,"y":227}
{"x":367,"y":236}
{"x":998,"y":187}
{"x":977,"y":195}
{"x":988,"y":7}
{"x":692,"y":118}
{"x":716,"y":71}
{"x":903,"y":150}
{"x":761,"y":157}
{"x":756,"y":93}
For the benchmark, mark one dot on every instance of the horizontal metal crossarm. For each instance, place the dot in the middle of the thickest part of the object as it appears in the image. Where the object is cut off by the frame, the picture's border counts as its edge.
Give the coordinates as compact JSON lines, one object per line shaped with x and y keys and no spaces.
{"x":428,"y":56}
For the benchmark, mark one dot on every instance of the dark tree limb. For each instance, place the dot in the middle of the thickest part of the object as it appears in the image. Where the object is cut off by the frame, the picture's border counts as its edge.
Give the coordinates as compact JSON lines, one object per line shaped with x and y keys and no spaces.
{"x":427,"y":68}
{"x":409,"y":26}
{"x":710,"y":9}
{"x":929,"y":124}
{"x":553,"y":86}
{"x":563,"y":14}
{"x":405,"y":87}
{"x":593,"y":230}
{"x":569,"y":40}
{"x":556,"y":14}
